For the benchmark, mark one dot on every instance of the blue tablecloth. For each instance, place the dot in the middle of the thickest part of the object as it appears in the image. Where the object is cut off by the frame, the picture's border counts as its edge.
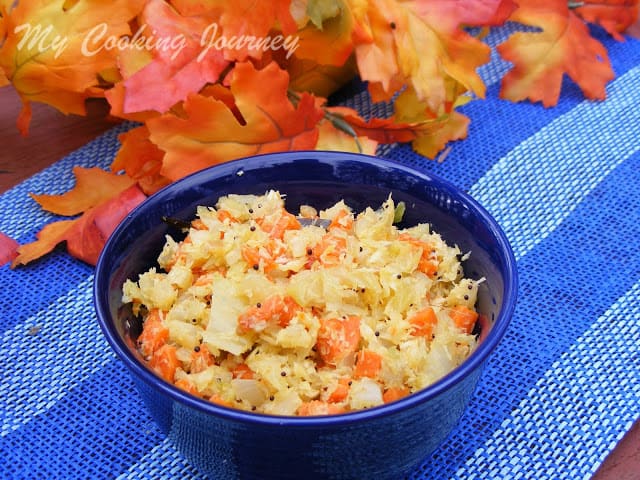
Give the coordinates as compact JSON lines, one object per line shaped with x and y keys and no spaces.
{"x":561,"y":390}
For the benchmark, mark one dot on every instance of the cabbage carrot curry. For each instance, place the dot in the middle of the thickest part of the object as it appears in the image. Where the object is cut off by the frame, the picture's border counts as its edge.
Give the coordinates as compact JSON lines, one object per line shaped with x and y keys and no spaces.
{"x":262,"y":310}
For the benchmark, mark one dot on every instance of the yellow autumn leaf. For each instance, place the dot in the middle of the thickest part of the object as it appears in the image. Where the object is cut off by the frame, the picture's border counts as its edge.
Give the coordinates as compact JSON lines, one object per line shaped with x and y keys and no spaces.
{"x":400,"y":44}
{"x":451,"y":125}
{"x":330,"y":138}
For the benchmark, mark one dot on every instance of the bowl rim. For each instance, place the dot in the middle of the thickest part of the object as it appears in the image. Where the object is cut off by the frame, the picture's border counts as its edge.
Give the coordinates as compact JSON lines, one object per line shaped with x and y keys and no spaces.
{"x":475,"y":360}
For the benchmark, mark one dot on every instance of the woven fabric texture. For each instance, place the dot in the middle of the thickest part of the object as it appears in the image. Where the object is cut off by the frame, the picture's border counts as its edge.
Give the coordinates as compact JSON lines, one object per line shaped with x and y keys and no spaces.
{"x":560,"y":391}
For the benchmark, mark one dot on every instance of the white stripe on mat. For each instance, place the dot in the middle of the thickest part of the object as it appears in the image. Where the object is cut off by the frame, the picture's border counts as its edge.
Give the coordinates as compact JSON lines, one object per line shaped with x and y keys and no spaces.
{"x":568,"y":413}
{"x":542,"y":180}
{"x":41,"y":368}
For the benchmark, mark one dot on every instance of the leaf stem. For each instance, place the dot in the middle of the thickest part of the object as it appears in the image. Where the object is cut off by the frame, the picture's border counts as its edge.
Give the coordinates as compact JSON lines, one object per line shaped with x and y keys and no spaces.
{"x":336,"y":119}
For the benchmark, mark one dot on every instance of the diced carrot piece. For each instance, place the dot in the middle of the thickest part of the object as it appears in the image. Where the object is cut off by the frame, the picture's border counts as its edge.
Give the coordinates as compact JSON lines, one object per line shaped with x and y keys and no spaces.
{"x":165,"y":362}
{"x":343,"y":221}
{"x":251,"y":255}
{"x":204,"y":279}
{"x":463,"y":317}
{"x":277,"y":228}
{"x":287,"y":221}
{"x":423,"y":322}
{"x":198,"y":224}
{"x":426,"y":264}
{"x":252,"y":319}
{"x":337,"y":338}
{"x":289,"y":309}
{"x":223,"y":215}
{"x":242,"y":370}
{"x":368,"y":364}
{"x":341,"y":391}
{"x":274,"y":309}
{"x":330,"y":249}
{"x":318,"y":407}
{"x":154,"y":334}
{"x":394,"y":393}
{"x":201,"y":359}
{"x":276,"y":253}
{"x":186,"y":385}
{"x":254,"y":257}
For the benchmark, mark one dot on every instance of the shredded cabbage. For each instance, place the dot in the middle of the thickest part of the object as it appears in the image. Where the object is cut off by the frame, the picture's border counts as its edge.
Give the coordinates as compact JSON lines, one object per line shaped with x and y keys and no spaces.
{"x":267,"y":315}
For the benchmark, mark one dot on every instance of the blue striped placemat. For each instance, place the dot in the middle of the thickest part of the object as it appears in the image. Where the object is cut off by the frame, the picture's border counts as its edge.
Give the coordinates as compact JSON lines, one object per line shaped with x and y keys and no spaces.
{"x":560,"y":391}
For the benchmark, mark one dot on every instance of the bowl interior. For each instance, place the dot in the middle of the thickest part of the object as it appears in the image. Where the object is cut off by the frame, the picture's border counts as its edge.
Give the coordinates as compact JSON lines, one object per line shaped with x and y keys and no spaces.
{"x":319,"y":179}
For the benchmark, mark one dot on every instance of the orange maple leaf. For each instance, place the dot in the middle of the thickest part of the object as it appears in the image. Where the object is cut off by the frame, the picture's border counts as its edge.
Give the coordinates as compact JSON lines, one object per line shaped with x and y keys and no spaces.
{"x":93,"y":186}
{"x":208,"y":132}
{"x":238,"y":28}
{"x":46,"y":240}
{"x":85,"y":235}
{"x":541,"y":59}
{"x":54,"y":49}
{"x":256,"y":19}
{"x":179,"y":65}
{"x":140,"y":159}
{"x":615,"y":16}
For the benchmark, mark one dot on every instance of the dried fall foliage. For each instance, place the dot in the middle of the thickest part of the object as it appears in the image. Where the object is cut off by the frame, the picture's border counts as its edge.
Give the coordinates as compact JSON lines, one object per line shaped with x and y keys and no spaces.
{"x":193,"y":74}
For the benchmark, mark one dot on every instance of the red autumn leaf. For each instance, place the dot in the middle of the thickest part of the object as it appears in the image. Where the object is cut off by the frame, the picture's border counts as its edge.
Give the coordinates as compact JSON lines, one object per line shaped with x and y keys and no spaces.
{"x":207,"y":132}
{"x":615,"y":16}
{"x":86,"y":235}
{"x":8,"y":249}
{"x":93,"y":186}
{"x":541,"y":59}
{"x":129,"y":62}
{"x":256,"y":19}
{"x":180,"y":65}
{"x":382,"y":130}
{"x":474,"y":13}
{"x":140,"y":159}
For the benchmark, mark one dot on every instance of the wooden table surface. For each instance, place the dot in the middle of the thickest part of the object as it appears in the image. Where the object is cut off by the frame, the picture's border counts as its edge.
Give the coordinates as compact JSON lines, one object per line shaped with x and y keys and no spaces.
{"x":53,"y":135}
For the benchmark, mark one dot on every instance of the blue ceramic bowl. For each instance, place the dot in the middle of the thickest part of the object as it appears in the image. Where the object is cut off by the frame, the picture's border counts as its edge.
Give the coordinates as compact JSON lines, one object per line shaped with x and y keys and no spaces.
{"x":378,"y":443}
